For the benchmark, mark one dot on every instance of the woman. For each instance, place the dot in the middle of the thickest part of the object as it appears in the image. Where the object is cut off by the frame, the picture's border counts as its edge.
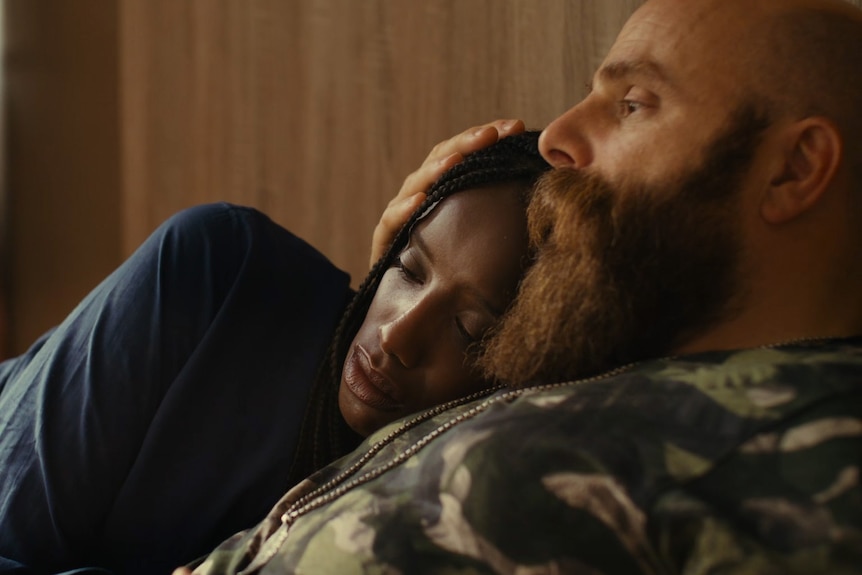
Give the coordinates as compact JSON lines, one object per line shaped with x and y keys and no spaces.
{"x":511,"y":163}
{"x":144,"y":460}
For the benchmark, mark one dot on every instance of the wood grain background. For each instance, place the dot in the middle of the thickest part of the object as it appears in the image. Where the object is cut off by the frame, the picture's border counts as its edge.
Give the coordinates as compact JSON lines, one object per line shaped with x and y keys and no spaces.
{"x":315,"y":111}
{"x":120,"y":113}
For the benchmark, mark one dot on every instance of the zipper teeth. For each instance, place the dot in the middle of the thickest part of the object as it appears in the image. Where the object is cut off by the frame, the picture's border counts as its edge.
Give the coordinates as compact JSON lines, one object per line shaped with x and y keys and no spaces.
{"x":331,"y":489}
{"x":340,"y":485}
{"x":374,"y":449}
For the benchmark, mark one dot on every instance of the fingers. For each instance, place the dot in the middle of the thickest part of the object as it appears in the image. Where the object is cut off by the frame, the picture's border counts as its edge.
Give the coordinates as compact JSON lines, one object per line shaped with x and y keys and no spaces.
{"x":396,"y":214}
{"x":475,"y":138}
{"x":182,"y":571}
{"x":449,"y":152}
{"x":442,"y":157}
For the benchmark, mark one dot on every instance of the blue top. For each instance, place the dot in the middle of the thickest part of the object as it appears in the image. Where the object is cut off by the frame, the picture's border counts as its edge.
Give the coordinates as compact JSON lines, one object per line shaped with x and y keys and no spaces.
{"x":162,"y":415}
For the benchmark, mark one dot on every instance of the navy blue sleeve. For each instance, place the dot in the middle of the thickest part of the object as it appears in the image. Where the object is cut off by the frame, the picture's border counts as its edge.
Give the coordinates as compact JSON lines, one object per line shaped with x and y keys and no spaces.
{"x":162,"y":414}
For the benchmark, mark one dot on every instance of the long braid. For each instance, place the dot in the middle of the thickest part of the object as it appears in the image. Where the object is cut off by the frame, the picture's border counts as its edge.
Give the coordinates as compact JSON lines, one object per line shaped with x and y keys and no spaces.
{"x":325,"y":436}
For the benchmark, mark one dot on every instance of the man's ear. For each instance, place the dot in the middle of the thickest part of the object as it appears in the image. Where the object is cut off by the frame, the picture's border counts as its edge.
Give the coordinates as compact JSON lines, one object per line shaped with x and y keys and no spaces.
{"x":811,"y":154}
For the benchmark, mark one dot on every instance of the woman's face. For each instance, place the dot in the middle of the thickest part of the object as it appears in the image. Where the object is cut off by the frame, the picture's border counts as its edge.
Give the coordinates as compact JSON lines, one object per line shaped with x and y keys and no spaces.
{"x":452,"y":281}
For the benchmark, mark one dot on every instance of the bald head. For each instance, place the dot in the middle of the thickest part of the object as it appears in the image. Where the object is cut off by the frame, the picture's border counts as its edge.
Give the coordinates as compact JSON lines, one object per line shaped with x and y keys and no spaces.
{"x":793,"y":58}
{"x":808,"y":58}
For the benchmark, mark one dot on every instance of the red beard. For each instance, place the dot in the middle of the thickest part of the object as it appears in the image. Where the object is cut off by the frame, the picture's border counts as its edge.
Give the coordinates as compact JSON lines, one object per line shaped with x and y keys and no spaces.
{"x":629,"y":272}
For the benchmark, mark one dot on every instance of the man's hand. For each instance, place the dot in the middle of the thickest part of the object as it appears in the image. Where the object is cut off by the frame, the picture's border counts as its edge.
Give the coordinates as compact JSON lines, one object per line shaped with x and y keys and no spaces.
{"x":442,"y":157}
{"x":182,"y":571}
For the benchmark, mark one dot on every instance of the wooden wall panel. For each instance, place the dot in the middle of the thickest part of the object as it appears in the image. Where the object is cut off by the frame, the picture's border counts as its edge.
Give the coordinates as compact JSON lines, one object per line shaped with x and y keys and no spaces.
{"x":315,"y":110}
{"x":121,"y":112}
{"x":62,"y":136}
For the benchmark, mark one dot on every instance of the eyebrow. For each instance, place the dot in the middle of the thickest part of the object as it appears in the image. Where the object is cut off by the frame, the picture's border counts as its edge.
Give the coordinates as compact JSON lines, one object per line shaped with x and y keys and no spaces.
{"x":627,"y":68}
{"x":421,"y":245}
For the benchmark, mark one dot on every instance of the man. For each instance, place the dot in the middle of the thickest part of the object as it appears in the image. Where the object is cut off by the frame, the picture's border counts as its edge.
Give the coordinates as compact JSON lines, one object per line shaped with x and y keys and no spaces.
{"x":707,"y":209}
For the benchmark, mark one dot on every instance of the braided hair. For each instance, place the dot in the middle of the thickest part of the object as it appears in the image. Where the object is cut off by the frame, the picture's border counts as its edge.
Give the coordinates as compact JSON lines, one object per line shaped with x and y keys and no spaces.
{"x":325,"y":435}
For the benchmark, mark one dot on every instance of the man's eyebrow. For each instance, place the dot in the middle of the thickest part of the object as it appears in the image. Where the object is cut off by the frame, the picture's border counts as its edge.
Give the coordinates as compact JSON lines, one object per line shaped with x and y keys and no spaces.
{"x":626,"y":68}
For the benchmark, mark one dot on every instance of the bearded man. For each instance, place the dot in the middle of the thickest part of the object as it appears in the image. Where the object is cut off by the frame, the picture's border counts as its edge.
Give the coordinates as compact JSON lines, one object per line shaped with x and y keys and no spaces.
{"x":685,"y":358}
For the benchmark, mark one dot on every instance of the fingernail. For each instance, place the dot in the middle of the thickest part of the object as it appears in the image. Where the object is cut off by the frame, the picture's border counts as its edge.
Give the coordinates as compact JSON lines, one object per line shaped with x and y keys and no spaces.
{"x":507,"y":125}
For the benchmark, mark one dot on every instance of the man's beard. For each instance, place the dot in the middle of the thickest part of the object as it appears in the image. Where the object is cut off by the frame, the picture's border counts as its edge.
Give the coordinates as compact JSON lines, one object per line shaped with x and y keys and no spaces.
{"x":626,"y":273}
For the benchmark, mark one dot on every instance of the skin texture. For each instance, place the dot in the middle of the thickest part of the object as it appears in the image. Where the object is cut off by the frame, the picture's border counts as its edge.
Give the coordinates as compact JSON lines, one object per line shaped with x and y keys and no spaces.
{"x":456,"y":276}
{"x":677,"y":72}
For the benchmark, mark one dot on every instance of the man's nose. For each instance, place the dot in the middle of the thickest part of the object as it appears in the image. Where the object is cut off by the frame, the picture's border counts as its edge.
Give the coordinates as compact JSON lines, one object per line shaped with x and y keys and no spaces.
{"x":564,"y":144}
{"x":403,"y":337}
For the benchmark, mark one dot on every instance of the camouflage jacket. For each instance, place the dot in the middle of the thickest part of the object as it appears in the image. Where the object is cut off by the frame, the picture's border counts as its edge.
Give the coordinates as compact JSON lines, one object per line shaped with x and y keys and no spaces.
{"x":730,"y":462}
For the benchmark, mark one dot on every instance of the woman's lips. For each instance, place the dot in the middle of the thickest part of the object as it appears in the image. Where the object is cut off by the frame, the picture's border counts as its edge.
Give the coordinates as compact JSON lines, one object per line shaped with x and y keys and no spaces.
{"x":366,"y":383}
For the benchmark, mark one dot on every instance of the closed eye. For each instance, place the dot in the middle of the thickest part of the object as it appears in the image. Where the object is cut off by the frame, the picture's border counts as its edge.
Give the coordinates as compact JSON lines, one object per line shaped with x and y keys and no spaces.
{"x":405,"y":270}
{"x":465,"y":333}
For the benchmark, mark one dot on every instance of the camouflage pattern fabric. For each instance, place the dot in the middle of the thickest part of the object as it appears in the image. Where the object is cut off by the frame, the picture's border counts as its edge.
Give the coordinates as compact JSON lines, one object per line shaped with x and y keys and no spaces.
{"x":731,"y":463}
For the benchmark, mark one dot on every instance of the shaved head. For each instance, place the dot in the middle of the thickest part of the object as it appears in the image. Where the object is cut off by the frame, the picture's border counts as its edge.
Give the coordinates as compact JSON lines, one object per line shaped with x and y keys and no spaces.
{"x":797,"y":58}
{"x":808,"y":61}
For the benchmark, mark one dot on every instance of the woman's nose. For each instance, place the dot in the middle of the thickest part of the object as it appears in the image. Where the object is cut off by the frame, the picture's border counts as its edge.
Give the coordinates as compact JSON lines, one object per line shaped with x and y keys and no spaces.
{"x":403,"y":337}
{"x":563,"y":143}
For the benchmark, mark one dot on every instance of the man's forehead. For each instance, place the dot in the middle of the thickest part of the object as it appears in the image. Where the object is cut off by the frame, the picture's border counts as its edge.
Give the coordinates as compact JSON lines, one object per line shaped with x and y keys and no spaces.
{"x":677,"y":23}
{"x":675,"y":40}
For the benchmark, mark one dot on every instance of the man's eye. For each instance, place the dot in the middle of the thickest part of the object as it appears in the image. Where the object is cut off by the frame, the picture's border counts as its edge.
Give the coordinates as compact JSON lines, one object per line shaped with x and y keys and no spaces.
{"x":628,"y":107}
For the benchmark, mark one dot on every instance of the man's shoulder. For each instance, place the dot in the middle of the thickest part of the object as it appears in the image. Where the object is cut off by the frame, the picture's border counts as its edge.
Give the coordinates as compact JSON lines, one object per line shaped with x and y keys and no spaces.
{"x":671,"y":419}
{"x":680,"y":415}
{"x":669,"y":462}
